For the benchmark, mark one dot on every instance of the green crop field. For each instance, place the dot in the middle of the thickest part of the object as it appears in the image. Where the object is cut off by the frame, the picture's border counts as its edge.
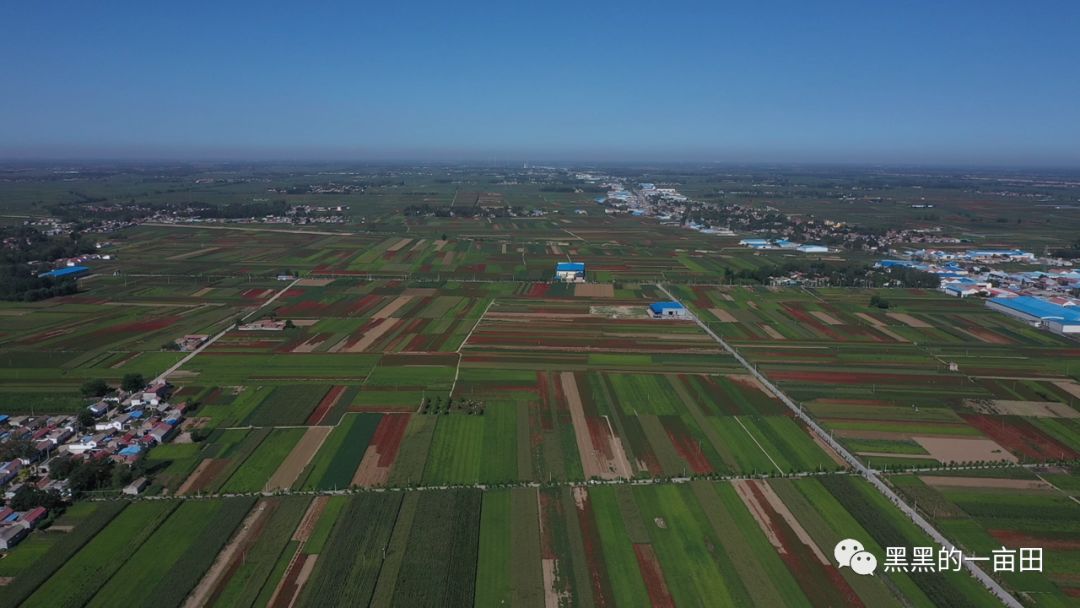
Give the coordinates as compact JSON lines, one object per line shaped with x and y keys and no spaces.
{"x":418,"y":414}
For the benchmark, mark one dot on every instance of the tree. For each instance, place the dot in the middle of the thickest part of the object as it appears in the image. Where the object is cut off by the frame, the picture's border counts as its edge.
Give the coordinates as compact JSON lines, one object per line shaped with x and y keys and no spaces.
{"x":878,"y":301}
{"x":94,"y":388}
{"x":132,"y":382}
{"x":29,"y":497}
{"x":85,"y":419}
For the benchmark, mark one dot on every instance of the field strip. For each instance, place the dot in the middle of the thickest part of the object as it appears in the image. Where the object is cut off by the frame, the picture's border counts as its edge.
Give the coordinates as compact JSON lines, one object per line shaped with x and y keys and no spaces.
{"x":457,"y":369}
{"x":224,"y":560}
{"x":874,"y":477}
{"x":165,"y":374}
{"x":760,"y":447}
{"x":249,"y":229}
{"x":290,"y":469}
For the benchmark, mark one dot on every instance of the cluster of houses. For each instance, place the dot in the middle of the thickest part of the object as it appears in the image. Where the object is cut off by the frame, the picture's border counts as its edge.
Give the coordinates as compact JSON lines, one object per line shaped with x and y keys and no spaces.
{"x":1049,"y":299}
{"x":126,"y":426}
{"x":191,"y":342}
{"x":263,"y":325}
{"x":783,"y":244}
{"x":15,"y":525}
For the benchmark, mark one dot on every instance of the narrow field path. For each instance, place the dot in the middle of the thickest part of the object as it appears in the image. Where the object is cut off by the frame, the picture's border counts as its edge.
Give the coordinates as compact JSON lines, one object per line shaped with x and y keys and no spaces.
{"x":870,"y":474}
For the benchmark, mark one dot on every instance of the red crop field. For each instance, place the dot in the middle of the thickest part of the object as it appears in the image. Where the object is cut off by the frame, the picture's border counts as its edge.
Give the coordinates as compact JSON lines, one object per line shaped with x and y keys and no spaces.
{"x":1019,"y":437}
{"x":327,"y":403}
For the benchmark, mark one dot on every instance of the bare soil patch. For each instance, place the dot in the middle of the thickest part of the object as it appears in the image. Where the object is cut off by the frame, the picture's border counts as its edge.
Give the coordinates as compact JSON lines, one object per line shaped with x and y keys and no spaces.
{"x":398,"y":245}
{"x":593,"y":460}
{"x":1069,"y":386}
{"x":985,"y":482}
{"x":200,"y":476}
{"x":290,"y":468}
{"x":314,"y":282}
{"x":202,"y":292}
{"x":723,"y":315}
{"x":826,"y":318}
{"x":191,"y":254}
{"x":909,"y":320}
{"x":775,"y":335}
{"x":869,"y":319}
{"x":392,"y":307}
{"x":372,"y":335}
{"x":594,"y":290}
{"x":619,"y":312}
{"x":892,"y":334}
{"x":1038,"y":409}
{"x":952,"y":449}
{"x":225,"y":562}
{"x":304,"y":322}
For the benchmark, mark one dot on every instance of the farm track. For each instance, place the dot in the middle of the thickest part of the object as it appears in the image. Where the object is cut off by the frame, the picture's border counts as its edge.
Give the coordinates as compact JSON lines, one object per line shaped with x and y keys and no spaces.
{"x":163,"y":376}
{"x":871,"y":475}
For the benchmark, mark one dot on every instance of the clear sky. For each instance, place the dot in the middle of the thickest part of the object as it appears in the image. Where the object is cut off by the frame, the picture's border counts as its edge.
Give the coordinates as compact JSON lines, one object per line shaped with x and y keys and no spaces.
{"x":947,"y":81}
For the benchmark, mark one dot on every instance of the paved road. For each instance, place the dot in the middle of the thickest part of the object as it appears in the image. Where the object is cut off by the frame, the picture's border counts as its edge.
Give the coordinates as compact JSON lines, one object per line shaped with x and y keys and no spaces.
{"x":165,"y":374}
{"x":871,"y":475}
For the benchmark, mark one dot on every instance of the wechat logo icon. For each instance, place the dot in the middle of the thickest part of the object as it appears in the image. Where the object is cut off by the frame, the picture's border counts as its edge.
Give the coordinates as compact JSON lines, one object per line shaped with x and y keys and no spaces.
{"x":850,"y":552}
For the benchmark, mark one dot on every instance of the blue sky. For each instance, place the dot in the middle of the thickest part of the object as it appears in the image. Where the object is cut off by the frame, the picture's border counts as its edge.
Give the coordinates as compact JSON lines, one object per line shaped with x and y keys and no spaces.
{"x":855,"y":82}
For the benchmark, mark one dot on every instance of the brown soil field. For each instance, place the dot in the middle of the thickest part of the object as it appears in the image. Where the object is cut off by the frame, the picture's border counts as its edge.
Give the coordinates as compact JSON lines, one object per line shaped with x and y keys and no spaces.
{"x":775,"y":335}
{"x":892,"y":334}
{"x":909,"y":320}
{"x":1069,"y":386}
{"x":372,"y":335}
{"x":1038,"y":409}
{"x":290,"y":468}
{"x":304,"y":322}
{"x":594,"y":290}
{"x":314,"y":282}
{"x":420,"y":291}
{"x":826,"y":318}
{"x":202,"y":475}
{"x":202,"y":292}
{"x":869,"y":319}
{"x":985,"y":482}
{"x":946,"y":449}
{"x":592,"y":459}
{"x":392,"y":307}
{"x":225,"y":562}
{"x":723,"y":315}
{"x":191,"y":254}
{"x":398,"y":245}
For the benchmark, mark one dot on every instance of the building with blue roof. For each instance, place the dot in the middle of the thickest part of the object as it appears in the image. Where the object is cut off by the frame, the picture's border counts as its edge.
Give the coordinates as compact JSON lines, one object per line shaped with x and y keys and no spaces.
{"x":668,"y":310}
{"x":573,"y":272}
{"x":68,"y":271}
{"x":1037,"y":311}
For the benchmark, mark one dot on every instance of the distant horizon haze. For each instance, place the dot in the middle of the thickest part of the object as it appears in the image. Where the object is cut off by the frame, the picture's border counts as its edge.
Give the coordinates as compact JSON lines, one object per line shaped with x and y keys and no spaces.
{"x":966,"y":83}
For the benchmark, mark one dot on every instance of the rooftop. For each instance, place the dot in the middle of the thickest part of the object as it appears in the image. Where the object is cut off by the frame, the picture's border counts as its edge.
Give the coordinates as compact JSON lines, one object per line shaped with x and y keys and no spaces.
{"x":1037,"y":307}
{"x":64,"y":272}
{"x":570,"y":267}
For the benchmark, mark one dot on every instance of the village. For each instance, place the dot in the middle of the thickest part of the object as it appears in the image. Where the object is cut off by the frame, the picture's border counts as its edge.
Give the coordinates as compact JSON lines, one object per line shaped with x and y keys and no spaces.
{"x":119,"y":428}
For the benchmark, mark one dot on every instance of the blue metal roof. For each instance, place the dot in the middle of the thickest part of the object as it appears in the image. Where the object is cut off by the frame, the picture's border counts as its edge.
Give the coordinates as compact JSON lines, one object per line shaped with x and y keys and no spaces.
{"x":570,"y":267}
{"x":659,"y":307}
{"x":131,"y":450}
{"x":64,"y":272}
{"x":1040,"y":308}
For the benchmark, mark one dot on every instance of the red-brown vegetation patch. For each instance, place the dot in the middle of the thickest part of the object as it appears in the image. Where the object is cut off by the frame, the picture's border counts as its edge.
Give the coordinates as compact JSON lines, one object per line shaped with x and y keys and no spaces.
{"x":659,"y":595}
{"x":327,"y":403}
{"x":685,"y":444}
{"x":1020,"y":437}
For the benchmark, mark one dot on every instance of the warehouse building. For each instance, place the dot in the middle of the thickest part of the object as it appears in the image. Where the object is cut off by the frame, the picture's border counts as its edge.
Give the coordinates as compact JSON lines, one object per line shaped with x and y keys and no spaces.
{"x":571,"y":272}
{"x":69,"y":271}
{"x":1036,"y":311}
{"x":668,"y":310}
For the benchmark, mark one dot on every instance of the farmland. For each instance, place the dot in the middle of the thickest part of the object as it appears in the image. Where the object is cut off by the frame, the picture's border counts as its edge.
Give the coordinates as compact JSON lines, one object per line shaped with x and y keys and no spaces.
{"x":421,"y":416}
